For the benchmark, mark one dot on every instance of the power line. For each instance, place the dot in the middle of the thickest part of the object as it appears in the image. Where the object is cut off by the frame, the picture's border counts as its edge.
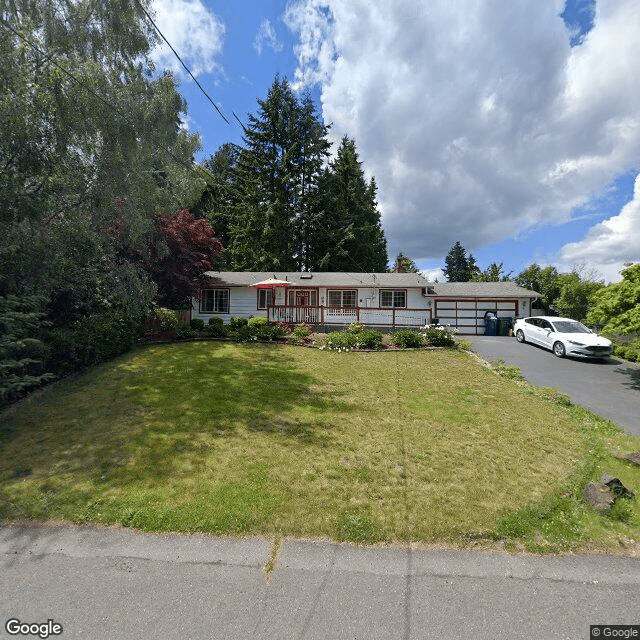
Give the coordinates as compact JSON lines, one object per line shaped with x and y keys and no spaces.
{"x":155,"y":26}
{"x":49,"y":58}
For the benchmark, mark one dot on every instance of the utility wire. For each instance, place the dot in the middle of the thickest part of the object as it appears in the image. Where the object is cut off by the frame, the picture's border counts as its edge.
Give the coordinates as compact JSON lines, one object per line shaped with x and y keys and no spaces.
{"x":155,"y":26}
{"x":49,"y":58}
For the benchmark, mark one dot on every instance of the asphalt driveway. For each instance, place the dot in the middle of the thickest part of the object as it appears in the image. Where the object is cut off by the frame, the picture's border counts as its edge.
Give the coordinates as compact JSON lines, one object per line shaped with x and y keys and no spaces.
{"x":610,"y":389}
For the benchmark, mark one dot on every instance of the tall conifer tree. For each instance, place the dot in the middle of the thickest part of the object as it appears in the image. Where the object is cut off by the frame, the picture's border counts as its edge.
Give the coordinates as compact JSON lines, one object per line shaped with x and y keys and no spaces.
{"x":347,"y":233}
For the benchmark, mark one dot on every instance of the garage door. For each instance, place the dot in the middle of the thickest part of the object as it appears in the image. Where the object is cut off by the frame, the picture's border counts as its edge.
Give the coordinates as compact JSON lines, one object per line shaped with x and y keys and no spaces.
{"x":468,"y":315}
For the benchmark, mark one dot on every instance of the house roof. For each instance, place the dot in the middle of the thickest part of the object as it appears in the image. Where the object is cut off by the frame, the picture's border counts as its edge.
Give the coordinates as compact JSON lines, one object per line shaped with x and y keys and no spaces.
{"x":319,"y":279}
{"x":482,"y":289}
{"x":375,"y":280}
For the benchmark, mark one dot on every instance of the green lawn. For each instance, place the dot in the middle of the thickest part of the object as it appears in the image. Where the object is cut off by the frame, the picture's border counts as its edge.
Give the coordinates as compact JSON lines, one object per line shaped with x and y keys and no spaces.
{"x":422,"y":446}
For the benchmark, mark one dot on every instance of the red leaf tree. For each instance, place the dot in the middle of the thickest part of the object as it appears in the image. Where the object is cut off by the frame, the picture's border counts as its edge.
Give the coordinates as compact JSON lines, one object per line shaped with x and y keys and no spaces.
{"x":186,"y":247}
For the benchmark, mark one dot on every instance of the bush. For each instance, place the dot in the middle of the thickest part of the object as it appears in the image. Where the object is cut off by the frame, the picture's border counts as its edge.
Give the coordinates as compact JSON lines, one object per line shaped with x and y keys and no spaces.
{"x":299,"y":334}
{"x":197,"y":324}
{"x":256,"y":329}
{"x":627,"y":349}
{"x":340,"y":341}
{"x":21,"y":349}
{"x":408,"y":339}
{"x":355,"y":327}
{"x":257,"y":322}
{"x":216,"y":328}
{"x":184,"y":332}
{"x":168,"y":319}
{"x":93,"y":339}
{"x":439,"y":336}
{"x":369,"y":339}
{"x":238,"y":323}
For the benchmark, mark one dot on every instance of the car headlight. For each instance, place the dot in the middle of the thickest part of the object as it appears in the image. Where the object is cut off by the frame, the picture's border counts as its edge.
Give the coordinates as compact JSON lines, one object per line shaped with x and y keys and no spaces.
{"x":578,"y":344}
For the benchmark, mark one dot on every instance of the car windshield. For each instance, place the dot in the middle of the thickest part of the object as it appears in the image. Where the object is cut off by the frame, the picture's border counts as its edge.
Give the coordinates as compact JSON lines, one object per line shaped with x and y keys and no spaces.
{"x":571,"y":327}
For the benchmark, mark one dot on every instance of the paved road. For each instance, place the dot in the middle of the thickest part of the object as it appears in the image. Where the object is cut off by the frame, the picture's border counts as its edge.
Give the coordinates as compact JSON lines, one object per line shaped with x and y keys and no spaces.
{"x":610,"y":389}
{"x":117,"y":584}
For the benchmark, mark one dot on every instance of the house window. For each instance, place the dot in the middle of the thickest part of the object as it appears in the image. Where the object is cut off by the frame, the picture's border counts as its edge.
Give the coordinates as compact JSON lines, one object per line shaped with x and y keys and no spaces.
{"x":342,"y":298}
{"x":215,"y":301}
{"x":265,"y":298}
{"x":393,"y":298}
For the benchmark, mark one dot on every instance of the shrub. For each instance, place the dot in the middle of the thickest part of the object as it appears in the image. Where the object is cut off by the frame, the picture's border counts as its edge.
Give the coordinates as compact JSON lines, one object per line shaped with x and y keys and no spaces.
{"x":184,"y":332}
{"x":238,"y":323}
{"x":216,"y":328}
{"x":439,"y":336}
{"x":92,"y":339}
{"x":21,"y":350}
{"x":257,"y":322}
{"x":197,"y":324}
{"x":257,"y":329}
{"x":340,"y":341}
{"x":168,"y":318}
{"x":408,"y":339}
{"x":369,"y":339}
{"x":629,"y":351}
{"x":355,"y":327}
{"x":285,"y":326}
{"x":299,"y":334}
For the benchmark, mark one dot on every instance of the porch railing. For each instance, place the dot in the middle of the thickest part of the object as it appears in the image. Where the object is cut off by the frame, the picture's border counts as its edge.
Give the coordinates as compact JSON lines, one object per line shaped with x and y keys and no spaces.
{"x":370,"y":316}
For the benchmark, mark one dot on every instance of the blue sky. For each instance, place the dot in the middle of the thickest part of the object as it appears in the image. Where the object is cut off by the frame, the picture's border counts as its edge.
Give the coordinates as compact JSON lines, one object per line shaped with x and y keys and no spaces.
{"x":515,"y":132}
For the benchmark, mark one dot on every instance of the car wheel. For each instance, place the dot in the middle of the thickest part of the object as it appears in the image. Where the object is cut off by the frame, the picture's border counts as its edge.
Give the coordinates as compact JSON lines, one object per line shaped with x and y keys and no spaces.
{"x":520,"y":335}
{"x":559,"y":350}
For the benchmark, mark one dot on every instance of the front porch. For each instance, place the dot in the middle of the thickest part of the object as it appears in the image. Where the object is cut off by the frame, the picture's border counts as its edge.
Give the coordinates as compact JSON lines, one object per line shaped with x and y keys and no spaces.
{"x":343,"y":316}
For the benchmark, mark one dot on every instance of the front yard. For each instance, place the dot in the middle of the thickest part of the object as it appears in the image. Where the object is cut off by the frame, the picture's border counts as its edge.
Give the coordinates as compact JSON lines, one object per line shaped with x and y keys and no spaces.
{"x":256,"y":439}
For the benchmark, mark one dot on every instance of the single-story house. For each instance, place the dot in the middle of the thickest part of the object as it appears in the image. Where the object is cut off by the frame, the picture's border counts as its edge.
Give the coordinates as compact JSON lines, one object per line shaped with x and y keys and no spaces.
{"x":333,"y":300}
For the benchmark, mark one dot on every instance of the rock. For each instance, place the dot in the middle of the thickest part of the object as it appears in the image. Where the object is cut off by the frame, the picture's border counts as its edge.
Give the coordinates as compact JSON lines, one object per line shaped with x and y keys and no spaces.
{"x":631,"y":457}
{"x":599,"y":496}
{"x":616,"y":486}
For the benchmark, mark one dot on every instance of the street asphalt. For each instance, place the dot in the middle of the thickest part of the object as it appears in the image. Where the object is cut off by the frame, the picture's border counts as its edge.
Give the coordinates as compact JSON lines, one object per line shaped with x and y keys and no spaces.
{"x":111,"y":584}
{"x":609,"y":388}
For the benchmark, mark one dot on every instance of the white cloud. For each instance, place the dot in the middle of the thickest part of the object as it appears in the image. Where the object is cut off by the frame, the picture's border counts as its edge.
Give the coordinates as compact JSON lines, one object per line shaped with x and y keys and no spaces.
{"x":266,"y":36}
{"x":476,"y":117}
{"x":195,"y":33}
{"x":611,"y":243}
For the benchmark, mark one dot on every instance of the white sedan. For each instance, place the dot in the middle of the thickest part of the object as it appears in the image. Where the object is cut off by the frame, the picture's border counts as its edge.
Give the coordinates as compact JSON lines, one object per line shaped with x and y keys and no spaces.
{"x":565,"y":337}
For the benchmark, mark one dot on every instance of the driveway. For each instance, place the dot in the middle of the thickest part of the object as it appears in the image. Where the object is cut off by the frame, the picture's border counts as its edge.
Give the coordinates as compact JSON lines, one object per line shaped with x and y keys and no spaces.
{"x":610,"y":389}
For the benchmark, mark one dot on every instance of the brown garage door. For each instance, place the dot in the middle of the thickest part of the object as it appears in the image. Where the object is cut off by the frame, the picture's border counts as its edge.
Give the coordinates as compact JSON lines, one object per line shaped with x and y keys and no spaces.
{"x":468,"y":315}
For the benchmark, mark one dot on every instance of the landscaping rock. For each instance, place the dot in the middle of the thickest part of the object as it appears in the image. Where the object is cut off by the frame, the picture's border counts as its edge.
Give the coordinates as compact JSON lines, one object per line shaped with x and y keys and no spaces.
{"x":616,"y":486}
{"x":599,"y":496}
{"x":631,"y":457}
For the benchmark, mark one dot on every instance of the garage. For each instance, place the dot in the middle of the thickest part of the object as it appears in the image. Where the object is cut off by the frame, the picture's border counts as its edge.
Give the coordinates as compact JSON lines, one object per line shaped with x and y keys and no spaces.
{"x":465,"y":305}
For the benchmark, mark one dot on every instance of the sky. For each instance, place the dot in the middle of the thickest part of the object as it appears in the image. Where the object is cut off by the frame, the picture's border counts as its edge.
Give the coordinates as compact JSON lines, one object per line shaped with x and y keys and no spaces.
{"x":513,"y":128}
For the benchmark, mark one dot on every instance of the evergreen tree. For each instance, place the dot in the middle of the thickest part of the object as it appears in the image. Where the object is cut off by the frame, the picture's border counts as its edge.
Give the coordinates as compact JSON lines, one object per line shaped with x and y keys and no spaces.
{"x":459,"y":268}
{"x":286,"y":146}
{"x":314,"y":152}
{"x":346,"y":230}
{"x":222,"y":199}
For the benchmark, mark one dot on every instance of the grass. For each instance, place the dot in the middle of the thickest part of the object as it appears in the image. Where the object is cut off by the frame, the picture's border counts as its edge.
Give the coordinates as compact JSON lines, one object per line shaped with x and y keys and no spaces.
{"x":406,"y":446}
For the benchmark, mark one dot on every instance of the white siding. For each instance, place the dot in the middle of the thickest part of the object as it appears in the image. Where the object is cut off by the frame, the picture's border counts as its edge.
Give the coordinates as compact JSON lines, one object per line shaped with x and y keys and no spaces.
{"x":243,"y":303}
